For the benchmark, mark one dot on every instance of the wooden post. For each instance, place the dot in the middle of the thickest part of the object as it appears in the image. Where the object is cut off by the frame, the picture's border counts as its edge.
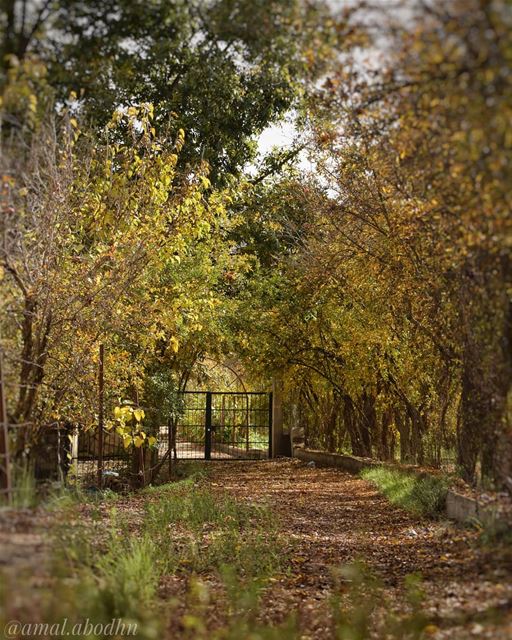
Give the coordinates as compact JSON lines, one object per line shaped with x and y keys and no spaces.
{"x":101,"y":391}
{"x":170,"y":429}
{"x":270,"y":426}
{"x":5,"y":463}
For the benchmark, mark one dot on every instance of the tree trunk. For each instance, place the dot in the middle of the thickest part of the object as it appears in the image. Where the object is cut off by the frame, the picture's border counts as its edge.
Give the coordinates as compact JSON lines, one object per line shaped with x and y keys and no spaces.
{"x":474,"y":412}
{"x":385,"y":450}
{"x":357,"y":428}
{"x":34,"y":336}
{"x":487,"y":374}
{"x":418,"y":427}
{"x":332,"y":423}
{"x":403,"y":426}
{"x":350,"y":426}
{"x":368,"y":422}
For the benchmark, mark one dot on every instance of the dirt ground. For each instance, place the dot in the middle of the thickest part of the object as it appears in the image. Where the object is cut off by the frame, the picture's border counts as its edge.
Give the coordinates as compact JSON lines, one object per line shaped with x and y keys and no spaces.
{"x":328,"y":519}
{"x":332,"y":518}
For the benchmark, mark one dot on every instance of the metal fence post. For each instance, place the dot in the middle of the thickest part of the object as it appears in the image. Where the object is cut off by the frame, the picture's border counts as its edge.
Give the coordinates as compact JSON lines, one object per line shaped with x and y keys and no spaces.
{"x":208,"y":427}
{"x":101,"y":389}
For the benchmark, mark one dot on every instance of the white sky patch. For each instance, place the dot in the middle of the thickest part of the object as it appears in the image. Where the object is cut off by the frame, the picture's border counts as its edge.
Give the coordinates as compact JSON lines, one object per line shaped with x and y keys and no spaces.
{"x":282,"y":136}
{"x":277,"y":135}
{"x":374,"y":15}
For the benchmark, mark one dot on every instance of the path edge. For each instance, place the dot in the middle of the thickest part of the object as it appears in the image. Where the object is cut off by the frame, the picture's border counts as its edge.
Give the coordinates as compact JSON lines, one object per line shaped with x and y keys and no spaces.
{"x":458,"y":507}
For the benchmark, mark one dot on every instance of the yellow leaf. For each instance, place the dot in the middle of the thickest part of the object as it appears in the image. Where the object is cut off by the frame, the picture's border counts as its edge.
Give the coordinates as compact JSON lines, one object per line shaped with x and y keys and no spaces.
{"x":430,"y":629}
{"x":174,"y":344}
{"x":139,"y":414}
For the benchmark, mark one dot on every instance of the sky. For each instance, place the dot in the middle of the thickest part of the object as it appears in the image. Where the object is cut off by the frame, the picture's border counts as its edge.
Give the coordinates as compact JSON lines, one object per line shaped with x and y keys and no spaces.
{"x":283,"y":134}
{"x":280,"y":135}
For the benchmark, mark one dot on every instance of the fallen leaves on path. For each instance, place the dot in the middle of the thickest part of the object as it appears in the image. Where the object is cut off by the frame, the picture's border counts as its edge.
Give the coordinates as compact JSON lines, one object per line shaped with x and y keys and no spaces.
{"x":327,"y":519}
{"x":331,"y":518}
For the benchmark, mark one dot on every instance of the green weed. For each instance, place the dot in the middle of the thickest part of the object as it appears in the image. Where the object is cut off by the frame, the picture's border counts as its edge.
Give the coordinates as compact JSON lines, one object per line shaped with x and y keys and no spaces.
{"x":240,"y":602}
{"x":354,"y":615}
{"x":421,"y":495}
{"x":105,"y":576}
{"x":128,"y":576}
{"x":24,"y":490}
{"x":113,"y":572}
{"x":215,"y":530}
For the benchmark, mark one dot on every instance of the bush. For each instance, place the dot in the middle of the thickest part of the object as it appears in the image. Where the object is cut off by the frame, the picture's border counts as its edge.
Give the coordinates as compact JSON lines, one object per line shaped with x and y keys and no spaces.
{"x":419,"y":494}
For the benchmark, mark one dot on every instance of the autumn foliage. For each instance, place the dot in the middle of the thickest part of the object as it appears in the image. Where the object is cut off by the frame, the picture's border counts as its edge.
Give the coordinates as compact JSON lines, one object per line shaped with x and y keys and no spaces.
{"x":376,"y":284}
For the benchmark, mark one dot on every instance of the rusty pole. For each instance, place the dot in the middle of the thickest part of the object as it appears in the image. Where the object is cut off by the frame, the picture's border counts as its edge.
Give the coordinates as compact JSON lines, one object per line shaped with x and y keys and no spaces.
{"x":101,"y":393}
{"x":5,"y":463}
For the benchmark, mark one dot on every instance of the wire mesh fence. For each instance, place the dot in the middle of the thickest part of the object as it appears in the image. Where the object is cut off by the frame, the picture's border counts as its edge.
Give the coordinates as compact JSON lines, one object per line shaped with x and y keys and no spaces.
{"x":205,"y":425}
{"x":5,"y":463}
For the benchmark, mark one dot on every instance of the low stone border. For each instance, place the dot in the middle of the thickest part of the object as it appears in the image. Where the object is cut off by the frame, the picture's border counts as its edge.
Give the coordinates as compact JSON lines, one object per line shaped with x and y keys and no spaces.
{"x":351,"y":464}
{"x":458,"y":507}
{"x":465,"y":509}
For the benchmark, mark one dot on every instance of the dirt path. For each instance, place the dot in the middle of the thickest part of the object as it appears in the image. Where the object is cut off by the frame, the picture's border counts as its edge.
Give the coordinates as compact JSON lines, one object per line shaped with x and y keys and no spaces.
{"x":327,"y":519}
{"x":331,"y":518}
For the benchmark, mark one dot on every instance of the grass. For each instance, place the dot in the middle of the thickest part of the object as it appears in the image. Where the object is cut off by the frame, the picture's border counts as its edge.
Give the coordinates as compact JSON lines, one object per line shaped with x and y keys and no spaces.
{"x":109,"y":567}
{"x":129,"y":575}
{"x":27,"y":493}
{"x":113,"y":557}
{"x":420,"y":494}
{"x":354,"y":615}
{"x":101,"y":575}
{"x":214,"y":531}
{"x":24,"y":490}
{"x":355,"y":607}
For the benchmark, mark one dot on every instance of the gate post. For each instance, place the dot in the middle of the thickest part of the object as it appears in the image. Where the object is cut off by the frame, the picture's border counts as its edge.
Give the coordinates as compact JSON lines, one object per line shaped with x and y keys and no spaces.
{"x":277,"y":417}
{"x":208,"y":427}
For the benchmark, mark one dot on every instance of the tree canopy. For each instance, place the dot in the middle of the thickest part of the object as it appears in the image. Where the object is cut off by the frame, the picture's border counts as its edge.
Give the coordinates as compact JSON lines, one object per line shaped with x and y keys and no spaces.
{"x":376,"y":284}
{"x":221,"y":70}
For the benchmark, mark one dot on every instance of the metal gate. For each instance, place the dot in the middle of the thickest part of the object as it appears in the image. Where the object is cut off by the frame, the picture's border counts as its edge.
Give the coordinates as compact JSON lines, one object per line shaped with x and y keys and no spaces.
{"x":223,"y":426}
